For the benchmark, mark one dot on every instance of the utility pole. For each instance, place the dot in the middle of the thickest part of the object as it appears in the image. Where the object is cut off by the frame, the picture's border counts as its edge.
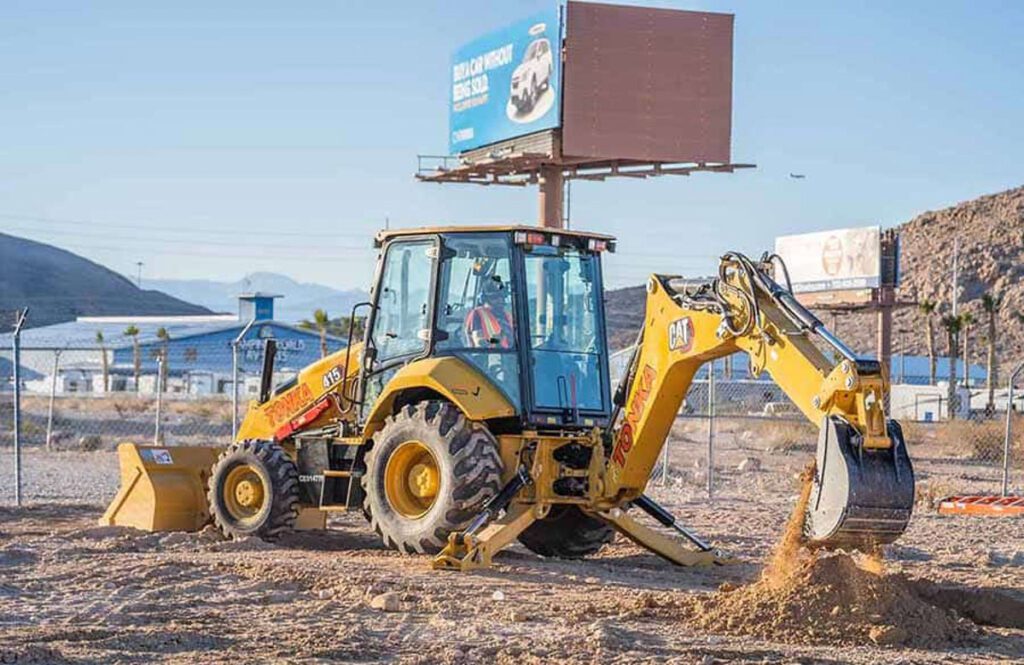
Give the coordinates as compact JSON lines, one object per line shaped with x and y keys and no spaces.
{"x":16,"y":341}
{"x":138,"y":275}
{"x":956,"y":273}
{"x":234,"y":377}
{"x":568,"y":204}
{"x":903,"y":357}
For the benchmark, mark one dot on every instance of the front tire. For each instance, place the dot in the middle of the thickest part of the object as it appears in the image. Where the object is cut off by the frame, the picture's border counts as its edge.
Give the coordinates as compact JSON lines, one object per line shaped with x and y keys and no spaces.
{"x":429,"y":473}
{"x":567,"y":533}
{"x":254,"y":491}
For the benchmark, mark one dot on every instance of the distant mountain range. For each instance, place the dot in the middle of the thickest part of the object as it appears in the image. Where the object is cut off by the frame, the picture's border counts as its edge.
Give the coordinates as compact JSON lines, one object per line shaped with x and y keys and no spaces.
{"x":59,"y":286}
{"x":298,"y":303}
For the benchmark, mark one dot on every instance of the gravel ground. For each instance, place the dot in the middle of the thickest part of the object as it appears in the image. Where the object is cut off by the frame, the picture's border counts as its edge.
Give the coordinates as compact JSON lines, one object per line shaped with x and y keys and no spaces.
{"x":74,"y":592}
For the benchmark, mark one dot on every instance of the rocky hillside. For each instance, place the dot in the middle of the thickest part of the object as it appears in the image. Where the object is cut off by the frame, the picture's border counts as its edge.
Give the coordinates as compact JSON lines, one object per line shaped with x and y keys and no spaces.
{"x":58,"y":286}
{"x":990,"y":230}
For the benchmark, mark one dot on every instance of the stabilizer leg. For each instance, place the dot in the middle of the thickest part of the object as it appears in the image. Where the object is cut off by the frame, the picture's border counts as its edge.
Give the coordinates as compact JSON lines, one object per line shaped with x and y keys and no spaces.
{"x":468,"y":550}
{"x":667,"y":548}
{"x":471,"y":551}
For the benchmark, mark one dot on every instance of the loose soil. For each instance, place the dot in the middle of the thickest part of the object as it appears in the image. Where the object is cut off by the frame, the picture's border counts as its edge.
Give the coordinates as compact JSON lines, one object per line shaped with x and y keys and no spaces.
{"x":71,"y":591}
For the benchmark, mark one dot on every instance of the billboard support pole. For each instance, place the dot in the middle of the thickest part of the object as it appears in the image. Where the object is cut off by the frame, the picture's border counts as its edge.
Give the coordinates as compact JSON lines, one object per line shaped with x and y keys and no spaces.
{"x":552,"y":192}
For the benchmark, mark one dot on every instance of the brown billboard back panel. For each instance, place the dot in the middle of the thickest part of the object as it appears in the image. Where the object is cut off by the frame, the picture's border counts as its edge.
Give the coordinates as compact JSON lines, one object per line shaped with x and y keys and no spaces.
{"x":647,"y":84}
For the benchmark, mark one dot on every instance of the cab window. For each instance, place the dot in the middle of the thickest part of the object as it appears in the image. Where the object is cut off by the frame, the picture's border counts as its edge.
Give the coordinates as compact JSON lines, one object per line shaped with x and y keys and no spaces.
{"x":476,"y":318}
{"x":401,"y":324}
{"x":566,"y":342}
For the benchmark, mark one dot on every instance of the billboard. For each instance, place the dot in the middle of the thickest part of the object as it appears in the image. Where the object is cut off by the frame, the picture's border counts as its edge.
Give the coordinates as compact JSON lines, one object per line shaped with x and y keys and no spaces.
{"x":647,"y":84}
{"x":833,"y":260}
{"x":507,"y":83}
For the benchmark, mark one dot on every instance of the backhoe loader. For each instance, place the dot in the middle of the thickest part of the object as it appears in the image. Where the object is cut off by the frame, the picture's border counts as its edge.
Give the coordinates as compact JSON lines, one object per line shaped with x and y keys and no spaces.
{"x":478,"y":410}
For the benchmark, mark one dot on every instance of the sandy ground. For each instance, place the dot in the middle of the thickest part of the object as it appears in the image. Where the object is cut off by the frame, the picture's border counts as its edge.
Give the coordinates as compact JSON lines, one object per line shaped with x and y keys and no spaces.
{"x":74,"y":592}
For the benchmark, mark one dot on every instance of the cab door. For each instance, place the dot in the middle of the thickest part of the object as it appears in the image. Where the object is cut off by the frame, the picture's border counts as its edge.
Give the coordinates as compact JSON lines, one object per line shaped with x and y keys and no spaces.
{"x":400,"y":330}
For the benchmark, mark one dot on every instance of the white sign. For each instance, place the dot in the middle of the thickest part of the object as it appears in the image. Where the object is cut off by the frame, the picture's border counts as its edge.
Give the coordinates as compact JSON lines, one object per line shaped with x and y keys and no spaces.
{"x":833,"y":260}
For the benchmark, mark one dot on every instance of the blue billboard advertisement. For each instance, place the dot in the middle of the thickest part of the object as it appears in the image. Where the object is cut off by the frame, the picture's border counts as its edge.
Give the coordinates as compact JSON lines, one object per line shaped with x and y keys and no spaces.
{"x":507,"y":83}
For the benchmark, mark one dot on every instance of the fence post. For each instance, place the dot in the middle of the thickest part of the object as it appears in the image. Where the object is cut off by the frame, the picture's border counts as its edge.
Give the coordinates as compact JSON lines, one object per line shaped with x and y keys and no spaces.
{"x":157,"y":439}
{"x":53,"y":395}
{"x":16,"y":343}
{"x":711,"y":429}
{"x":1009,"y":428}
{"x":234,"y":378}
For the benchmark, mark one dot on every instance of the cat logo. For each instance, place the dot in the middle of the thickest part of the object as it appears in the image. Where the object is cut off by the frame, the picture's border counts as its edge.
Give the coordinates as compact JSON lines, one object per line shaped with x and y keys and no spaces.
{"x":680,"y":335}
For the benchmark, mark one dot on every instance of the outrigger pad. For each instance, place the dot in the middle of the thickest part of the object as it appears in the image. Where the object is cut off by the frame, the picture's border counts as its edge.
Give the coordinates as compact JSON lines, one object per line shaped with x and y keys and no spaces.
{"x":861,"y":497}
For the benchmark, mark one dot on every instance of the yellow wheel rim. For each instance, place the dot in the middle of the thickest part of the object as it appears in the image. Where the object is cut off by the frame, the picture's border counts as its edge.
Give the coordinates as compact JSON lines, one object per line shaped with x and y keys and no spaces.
{"x":412,"y":479}
{"x":244,"y":493}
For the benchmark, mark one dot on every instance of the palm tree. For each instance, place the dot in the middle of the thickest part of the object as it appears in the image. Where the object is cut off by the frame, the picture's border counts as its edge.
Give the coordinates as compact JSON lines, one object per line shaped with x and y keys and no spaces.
{"x":321,"y":321}
{"x":133,"y":332}
{"x":952,"y":324}
{"x":163,"y":336}
{"x":991,"y":303}
{"x":966,"y":321}
{"x":927,"y":308}
{"x":358,"y":326}
{"x":103,"y":361}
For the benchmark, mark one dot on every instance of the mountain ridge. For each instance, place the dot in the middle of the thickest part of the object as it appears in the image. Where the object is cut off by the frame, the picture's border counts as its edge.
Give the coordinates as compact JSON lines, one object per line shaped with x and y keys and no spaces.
{"x":299,"y":299}
{"x":58,"y":285}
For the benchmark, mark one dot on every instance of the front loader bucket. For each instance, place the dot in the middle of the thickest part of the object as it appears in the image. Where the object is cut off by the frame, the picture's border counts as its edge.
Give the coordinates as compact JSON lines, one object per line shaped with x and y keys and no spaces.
{"x":861,"y":497}
{"x":162,"y":489}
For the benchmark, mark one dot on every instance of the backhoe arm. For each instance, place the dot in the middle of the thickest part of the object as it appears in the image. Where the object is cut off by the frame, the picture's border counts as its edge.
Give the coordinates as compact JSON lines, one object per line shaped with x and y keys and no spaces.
{"x":746,"y":310}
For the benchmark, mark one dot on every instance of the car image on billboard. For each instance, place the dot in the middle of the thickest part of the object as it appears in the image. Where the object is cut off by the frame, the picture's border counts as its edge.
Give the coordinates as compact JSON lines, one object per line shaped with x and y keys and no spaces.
{"x":506,"y":83}
{"x":530,"y":81}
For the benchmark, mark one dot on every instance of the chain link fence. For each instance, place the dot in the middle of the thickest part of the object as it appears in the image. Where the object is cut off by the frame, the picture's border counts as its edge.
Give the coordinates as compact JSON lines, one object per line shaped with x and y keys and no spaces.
{"x":74,"y":399}
{"x":79,"y":394}
{"x":741,"y":425}
{"x":91,"y":397}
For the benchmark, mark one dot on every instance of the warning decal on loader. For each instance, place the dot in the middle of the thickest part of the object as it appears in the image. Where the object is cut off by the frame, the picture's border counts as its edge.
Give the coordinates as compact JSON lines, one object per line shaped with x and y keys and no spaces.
{"x":160,"y":456}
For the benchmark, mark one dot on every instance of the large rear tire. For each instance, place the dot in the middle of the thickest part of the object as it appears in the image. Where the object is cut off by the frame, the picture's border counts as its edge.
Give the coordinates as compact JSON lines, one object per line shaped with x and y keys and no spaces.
{"x":428,"y":474}
{"x":567,"y":533}
{"x":254,"y":491}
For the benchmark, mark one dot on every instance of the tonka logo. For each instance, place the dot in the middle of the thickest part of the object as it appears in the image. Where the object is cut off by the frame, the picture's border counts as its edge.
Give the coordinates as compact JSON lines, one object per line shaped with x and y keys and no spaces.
{"x":624,"y":440}
{"x":290,"y":404}
{"x":680,"y":335}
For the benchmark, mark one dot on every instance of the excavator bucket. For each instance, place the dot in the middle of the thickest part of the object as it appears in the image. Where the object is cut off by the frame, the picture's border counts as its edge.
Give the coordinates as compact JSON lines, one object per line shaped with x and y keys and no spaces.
{"x":861,"y":497}
{"x":162,"y":488}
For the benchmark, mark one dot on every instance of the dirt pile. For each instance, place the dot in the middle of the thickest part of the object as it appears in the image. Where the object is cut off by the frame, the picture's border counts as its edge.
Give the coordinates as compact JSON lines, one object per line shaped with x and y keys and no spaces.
{"x":809,"y":597}
{"x":830,"y":599}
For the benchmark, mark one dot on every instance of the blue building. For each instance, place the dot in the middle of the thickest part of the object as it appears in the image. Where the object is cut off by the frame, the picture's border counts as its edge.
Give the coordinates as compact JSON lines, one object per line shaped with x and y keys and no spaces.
{"x":198,"y":350}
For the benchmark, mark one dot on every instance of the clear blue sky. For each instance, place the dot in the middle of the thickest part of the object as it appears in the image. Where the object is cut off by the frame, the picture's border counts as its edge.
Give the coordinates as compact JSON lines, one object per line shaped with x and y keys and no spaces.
{"x":214,"y":139}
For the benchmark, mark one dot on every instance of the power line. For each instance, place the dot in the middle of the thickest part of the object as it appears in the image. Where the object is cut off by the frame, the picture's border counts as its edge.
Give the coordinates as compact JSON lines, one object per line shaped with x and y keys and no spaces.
{"x":221,"y":256}
{"x":192,"y":231}
{"x":181,"y":241}
{"x":176,"y":228}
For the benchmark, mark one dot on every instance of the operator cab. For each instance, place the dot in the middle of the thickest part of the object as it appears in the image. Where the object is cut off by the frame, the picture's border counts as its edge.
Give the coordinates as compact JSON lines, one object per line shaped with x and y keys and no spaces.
{"x":523,"y":306}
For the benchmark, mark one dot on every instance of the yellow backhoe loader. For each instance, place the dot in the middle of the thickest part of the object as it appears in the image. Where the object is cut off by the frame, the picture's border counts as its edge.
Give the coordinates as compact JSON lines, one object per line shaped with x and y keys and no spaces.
{"x":478,"y":410}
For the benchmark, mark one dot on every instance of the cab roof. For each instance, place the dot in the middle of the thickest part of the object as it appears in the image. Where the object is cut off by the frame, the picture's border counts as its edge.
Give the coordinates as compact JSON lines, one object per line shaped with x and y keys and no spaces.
{"x":384,"y":236}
